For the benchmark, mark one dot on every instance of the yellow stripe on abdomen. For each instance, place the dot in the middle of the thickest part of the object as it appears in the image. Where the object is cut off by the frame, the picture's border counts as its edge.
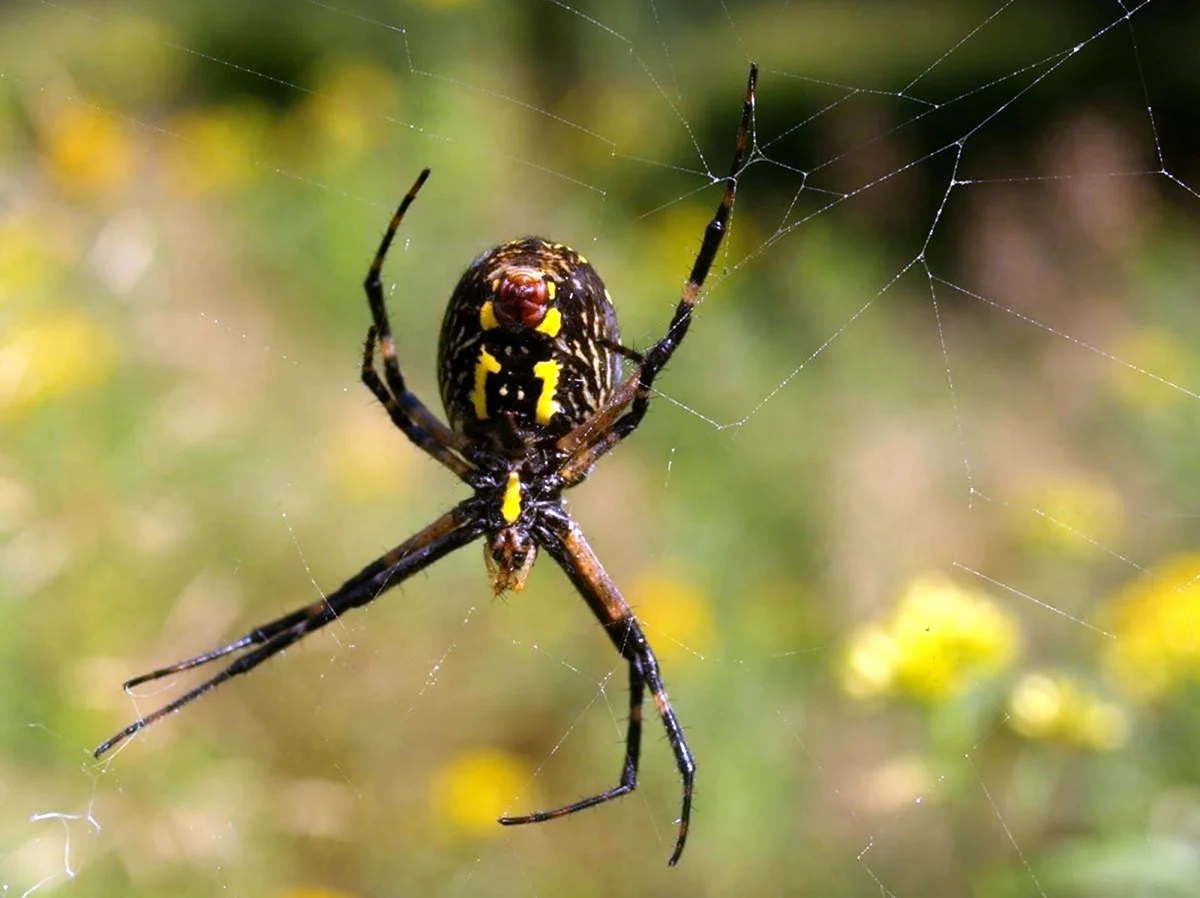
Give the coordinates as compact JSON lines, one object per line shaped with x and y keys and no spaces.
{"x":486,"y":365}
{"x":487,"y":316}
{"x":547,"y":405}
{"x":552,"y":323}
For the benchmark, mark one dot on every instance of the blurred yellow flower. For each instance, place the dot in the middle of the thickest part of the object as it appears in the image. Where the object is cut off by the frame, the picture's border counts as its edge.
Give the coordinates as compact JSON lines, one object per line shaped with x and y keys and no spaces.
{"x":216,"y":149}
{"x":938,"y":639}
{"x":1156,"y":355}
{"x":87,"y":151}
{"x":1076,"y":513}
{"x":349,"y":109}
{"x":1053,"y":706}
{"x":367,"y":455}
{"x":675,"y":614}
{"x":50,"y":357}
{"x":477,"y":787}
{"x":33,"y":253}
{"x":1156,"y":622}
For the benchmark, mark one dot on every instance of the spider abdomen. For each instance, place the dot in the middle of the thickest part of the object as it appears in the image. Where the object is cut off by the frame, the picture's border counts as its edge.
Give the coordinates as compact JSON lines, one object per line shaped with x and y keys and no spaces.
{"x":528,"y":344}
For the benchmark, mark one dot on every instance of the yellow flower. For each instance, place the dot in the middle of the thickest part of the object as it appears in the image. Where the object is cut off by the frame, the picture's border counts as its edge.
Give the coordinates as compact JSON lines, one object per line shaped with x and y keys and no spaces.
{"x":50,"y":357}
{"x":871,"y":662}
{"x":367,"y":455}
{"x":938,"y":639}
{"x":1156,"y":622}
{"x":87,"y":151}
{"x":349,"y":110}
{"x":1156,"y":355}
{"x":477,"y":787}
{"x":35,"y":254}
{"x":1053,"y":706}
{"x":216,"y":149}
{"x":1077,"y":513}
{"x":675,"y":615}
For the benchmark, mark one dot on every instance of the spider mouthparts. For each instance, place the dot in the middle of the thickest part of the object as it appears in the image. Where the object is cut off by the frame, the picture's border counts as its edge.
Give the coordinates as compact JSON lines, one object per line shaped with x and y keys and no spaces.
{"x":509,"y":557}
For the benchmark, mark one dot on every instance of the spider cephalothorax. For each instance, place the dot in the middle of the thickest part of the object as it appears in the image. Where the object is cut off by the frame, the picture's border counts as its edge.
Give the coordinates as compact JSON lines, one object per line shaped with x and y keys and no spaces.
{"x":529,"y":367}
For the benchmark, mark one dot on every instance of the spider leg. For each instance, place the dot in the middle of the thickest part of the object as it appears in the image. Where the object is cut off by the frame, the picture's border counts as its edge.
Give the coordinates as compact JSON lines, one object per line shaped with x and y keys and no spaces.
{"x":446,"y":453}
{"x":265,"y":632}
{"x":451,"y":531}
{"x":624,"y":351}
{"x":568,"y":547}
{"x":625,"y":409}
{"x":407,"y":411}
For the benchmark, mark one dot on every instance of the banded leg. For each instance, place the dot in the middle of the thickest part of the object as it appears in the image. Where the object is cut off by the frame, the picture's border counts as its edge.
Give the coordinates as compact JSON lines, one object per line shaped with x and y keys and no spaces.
{"x":625,"y":410}
{"x":411,"y":415}
{"x":448,"y":454}
{"x":581,"y":565}
{"x":451,"y":531}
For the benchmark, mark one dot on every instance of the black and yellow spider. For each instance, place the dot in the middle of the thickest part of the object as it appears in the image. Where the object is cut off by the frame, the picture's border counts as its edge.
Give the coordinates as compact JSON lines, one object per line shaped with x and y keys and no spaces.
{"x":529,"y":367}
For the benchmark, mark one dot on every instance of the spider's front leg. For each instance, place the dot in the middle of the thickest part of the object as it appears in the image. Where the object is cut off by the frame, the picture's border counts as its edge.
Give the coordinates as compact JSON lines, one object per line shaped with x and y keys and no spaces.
{"x":565,"y":544}
{"x":410,"y":415}
{"x":451,"y":531}
{"x":407,"y":412}
{"x":625,"y":409}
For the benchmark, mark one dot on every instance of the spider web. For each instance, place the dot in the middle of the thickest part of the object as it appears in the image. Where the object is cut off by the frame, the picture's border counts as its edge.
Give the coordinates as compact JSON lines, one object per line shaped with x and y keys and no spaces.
{"x":946,"y":342}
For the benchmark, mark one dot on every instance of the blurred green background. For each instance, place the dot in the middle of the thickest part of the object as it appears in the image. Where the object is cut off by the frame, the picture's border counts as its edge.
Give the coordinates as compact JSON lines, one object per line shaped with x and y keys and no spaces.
{"x":915,"y":540}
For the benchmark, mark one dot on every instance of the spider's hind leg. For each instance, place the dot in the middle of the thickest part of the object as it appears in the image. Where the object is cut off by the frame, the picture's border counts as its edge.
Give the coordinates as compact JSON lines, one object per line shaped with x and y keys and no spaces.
{"x":566,"y":545}
{"x":629,"y":767}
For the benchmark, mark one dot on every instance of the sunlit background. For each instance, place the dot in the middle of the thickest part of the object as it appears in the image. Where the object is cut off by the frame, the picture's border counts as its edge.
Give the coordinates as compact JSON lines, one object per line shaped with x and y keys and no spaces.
{"x":912,"y":524}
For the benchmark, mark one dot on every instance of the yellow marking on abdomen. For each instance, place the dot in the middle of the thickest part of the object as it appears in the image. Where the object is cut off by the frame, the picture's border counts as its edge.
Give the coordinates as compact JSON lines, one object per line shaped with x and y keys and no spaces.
{"x":487,"y":316}
{"x":511,"y":506}
{"x":547,"y":406}
{"x":551,"y":324}
{"x":486,"y":365}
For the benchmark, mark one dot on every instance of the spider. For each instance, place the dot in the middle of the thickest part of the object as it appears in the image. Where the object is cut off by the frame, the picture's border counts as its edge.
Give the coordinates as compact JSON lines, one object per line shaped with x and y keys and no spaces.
{"x":529,"y":370}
